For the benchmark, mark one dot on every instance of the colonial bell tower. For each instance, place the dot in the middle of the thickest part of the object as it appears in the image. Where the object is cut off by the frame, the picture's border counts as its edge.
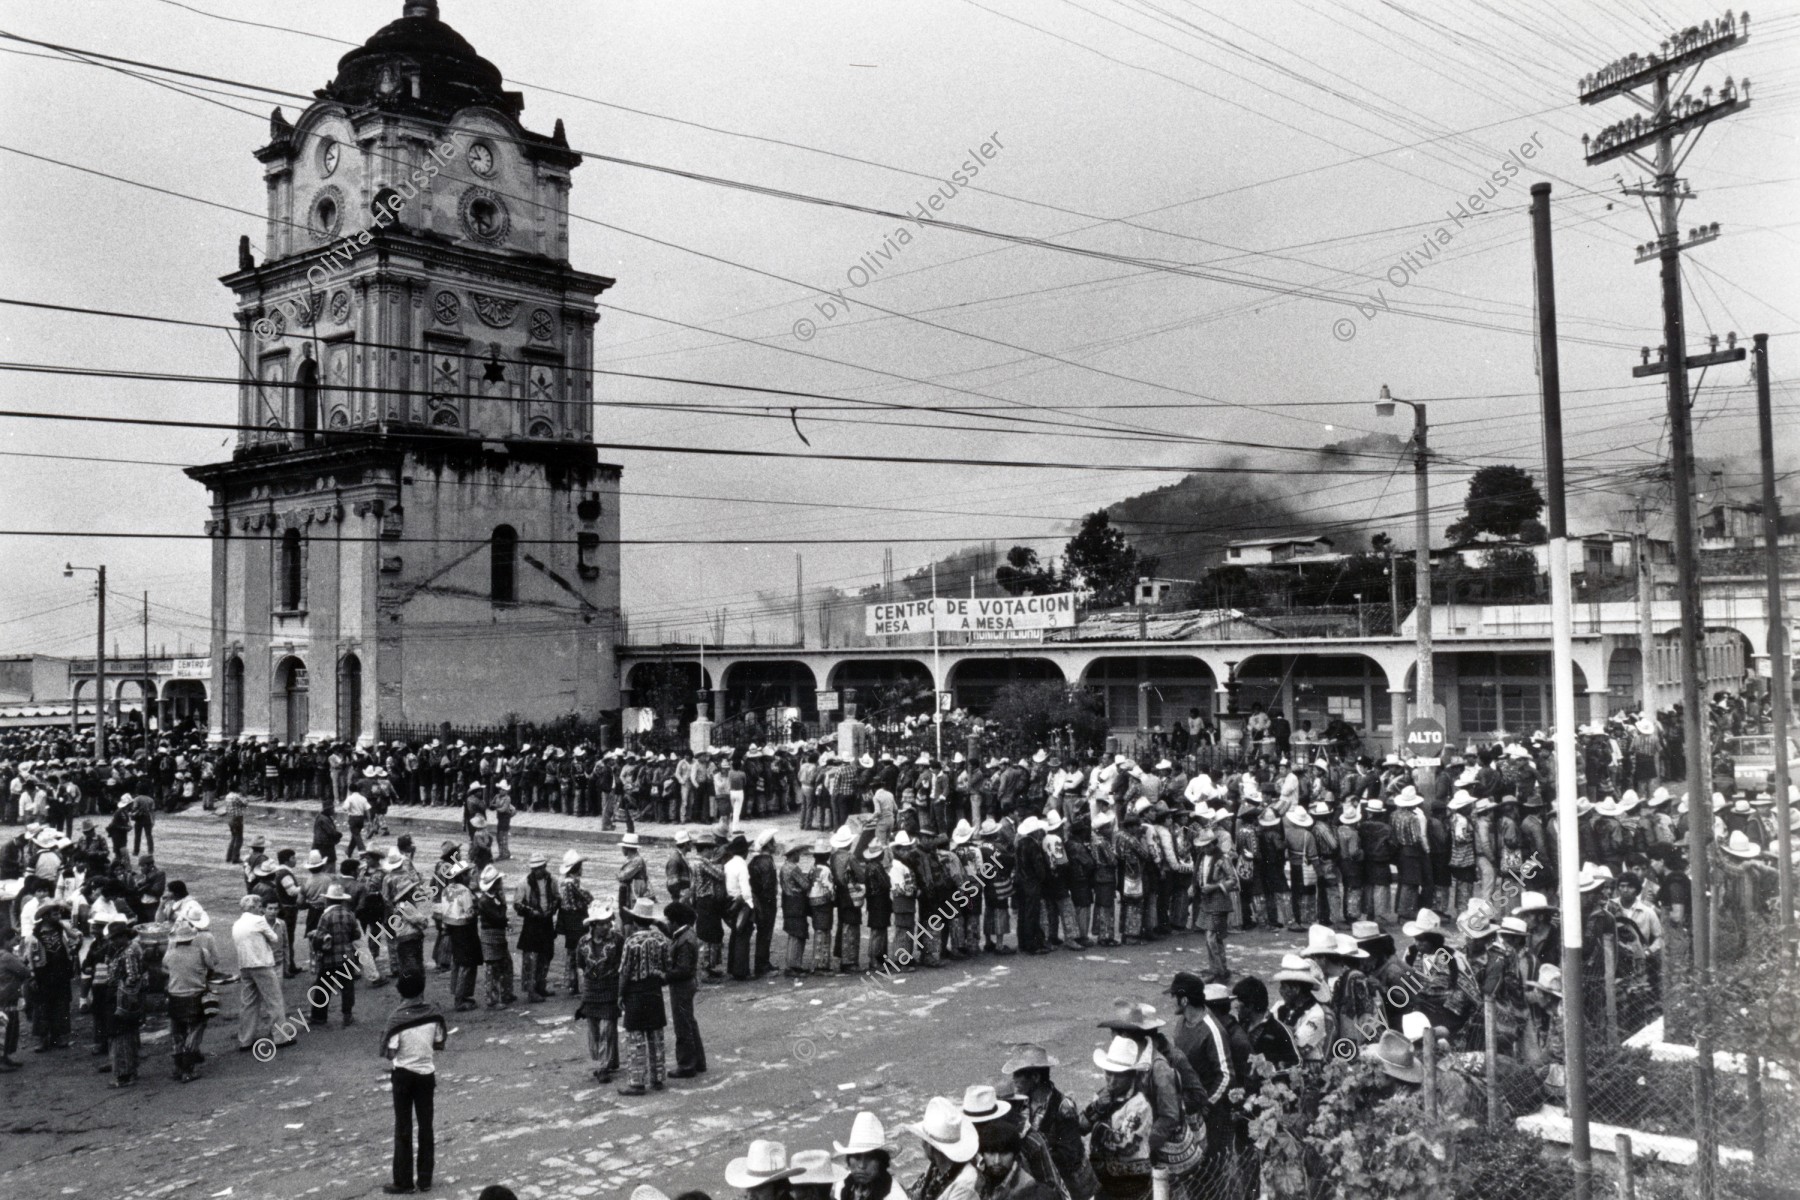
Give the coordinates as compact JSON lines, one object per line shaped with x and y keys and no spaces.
{"x":414,"y":527}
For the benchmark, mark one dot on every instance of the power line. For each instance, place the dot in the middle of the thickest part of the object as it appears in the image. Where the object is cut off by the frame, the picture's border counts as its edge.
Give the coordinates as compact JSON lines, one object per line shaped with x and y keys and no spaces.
{"x":718,"y":451}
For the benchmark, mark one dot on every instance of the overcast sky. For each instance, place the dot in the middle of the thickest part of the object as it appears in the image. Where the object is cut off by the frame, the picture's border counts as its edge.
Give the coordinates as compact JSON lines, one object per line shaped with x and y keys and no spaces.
{"x":1294,"y":147}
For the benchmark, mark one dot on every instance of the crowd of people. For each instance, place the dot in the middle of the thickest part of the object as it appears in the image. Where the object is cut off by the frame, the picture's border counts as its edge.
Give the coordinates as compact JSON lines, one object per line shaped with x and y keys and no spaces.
{"x":907,"y":862}
{"x":1175,"y":1112}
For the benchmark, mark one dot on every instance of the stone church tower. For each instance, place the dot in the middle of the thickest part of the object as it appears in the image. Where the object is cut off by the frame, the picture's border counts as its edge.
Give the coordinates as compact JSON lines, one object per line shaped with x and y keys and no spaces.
{"x":414,"y":527}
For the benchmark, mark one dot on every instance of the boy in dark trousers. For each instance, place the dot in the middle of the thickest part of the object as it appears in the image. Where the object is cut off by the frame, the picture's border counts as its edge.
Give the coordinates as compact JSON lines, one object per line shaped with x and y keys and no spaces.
{"x":684,"y":984}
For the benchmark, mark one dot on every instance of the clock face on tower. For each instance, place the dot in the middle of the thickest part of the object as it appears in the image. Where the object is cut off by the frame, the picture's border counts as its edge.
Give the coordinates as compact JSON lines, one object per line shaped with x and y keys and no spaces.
{"x":328,"y":157}
{"x":481,"y":159}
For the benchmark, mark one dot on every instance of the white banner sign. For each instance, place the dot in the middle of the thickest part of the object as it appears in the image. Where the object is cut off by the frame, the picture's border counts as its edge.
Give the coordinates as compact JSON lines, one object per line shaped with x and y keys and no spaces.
{"x":986,"y":615}
{"x":908,"y":616}
{"x":192,"y":668}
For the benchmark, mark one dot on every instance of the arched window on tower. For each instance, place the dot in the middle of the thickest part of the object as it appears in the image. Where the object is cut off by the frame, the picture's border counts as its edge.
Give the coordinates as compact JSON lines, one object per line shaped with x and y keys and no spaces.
{"x":308,"y":379}
{"x":503,"y":565}
{"x":293,"y":575}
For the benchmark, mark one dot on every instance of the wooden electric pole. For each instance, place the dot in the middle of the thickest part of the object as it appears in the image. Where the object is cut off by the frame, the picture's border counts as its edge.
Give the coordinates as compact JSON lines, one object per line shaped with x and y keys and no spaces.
{"x":1668,"y":133}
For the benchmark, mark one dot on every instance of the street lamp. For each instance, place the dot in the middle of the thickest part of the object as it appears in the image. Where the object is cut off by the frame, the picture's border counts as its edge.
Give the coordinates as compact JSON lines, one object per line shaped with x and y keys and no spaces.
{"x":69,"y":570}
{"x":1424,"y":692}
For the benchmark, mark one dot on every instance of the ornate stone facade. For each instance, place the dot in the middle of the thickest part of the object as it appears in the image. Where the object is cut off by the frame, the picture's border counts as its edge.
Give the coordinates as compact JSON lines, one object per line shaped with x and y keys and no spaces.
{"x":414,"y":527}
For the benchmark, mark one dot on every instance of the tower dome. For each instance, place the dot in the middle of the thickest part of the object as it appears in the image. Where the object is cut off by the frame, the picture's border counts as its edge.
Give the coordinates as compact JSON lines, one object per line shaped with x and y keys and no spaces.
{"x":420,"y":64}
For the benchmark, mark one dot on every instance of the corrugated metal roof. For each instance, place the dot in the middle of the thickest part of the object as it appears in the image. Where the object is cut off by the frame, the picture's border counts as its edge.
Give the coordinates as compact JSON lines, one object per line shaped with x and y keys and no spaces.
{"x":1167,"y":625}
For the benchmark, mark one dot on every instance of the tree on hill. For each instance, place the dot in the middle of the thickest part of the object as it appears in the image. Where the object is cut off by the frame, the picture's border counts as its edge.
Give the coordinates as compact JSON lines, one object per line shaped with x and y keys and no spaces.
{"x":1503,"y":501}
{"x":1022,"y":575}
{"x":1104,"y":562}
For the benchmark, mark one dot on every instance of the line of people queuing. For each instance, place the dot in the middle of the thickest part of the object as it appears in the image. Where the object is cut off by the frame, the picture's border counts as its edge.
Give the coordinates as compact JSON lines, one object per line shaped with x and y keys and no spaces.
{"x":1173,"y":1115}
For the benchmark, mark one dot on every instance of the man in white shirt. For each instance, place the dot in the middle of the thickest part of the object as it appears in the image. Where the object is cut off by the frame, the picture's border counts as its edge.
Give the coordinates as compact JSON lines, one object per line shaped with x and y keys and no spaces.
{"x":740,"y":906}
{"x":356,"y":809}
{"x":415,"y":1033}
{"x":259,"y":981}
{"x":685,"y":778}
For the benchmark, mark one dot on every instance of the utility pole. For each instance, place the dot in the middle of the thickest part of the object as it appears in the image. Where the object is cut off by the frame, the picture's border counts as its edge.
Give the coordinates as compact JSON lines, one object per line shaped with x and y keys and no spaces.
{"x":148,"y":684}
{"x":1646,"y":602}
{"x":1780,"y":665}
{"x":799,"y":602}
{"x":1674,"y":117}
{"x":937,"y":673}
{"x":1424,"y":686}
{"x":1562,"y":661}
{"x":69,"y":570}
{"x":1393,"y":592}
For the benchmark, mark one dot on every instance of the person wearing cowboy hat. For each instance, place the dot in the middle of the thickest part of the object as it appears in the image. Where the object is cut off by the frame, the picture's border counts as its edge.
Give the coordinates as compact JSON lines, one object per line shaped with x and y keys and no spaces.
{"x":1600,"y":936}
{"x":969,"y":857}
{"x":1543,"y":1042}
{"x":633,"y":873}
{"x":1031,"y":882}
{"x":52,"y":952}
{"x":1134,"y":848}
{"x":849,"y":893}
{"x":763,"y":1173}
{"x":1744,"y":888}
{"x":950,"y":1142}
{"x":129,"y":975}
{"x":491,"y":921}
{"x":1121,"y":1120}
{"x":1543,"y":938}
{"x":573,"y":899}
{"x":709,"y":902}
{"x":1495,"y":951}
{"x":1301,"y":986}
{"x":795,"y":883}
{"x":998,"y":863}
{"x":1043,"y":1109}
{"x":503,"y":810}
{"x":643,"y":972}
{"x":1353,"y":1000}
{"x":334,"y":957}
{"x":819,"y":1177}
{"x":1059,"y":904}
{"x":1394,"y":1054}
{"x":868,"y":1159}
{"x":1300,"y":854}
{"x":538,"y":901}
{"x":597,"y":957}
{"x":188,"y":963}
{"x":1272,"y":866}
{"x":1437,"y":976}
{"x":356,"y":808}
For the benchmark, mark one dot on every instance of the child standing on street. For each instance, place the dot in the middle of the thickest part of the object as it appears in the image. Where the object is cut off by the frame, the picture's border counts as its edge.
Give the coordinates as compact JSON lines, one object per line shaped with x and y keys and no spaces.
{"x":415,"y":1033}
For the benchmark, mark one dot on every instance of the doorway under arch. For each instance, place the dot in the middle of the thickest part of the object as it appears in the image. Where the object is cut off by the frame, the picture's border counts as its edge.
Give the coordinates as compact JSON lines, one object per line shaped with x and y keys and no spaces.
{"x":288,"y":703}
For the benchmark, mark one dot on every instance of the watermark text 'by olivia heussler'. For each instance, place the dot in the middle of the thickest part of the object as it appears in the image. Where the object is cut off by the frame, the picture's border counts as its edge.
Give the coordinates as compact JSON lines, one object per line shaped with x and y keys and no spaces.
{"x":384,"y":210}
{"x":1430,"y":248}
{"x":876,"y":261}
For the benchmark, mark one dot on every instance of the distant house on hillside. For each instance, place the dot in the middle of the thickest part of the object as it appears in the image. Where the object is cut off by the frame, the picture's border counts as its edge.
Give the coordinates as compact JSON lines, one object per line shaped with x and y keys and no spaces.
{"x":1158,"y":590}
{"x":1282,"y":552}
